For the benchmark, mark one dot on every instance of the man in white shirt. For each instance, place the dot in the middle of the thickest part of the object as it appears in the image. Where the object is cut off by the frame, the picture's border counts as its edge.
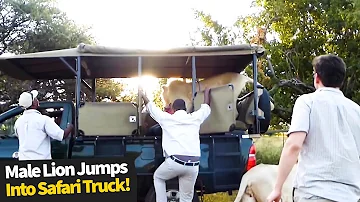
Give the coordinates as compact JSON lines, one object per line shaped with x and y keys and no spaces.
{"x":325,"y":132}
{"x":34,"y":130}
{"x":181,"y":146}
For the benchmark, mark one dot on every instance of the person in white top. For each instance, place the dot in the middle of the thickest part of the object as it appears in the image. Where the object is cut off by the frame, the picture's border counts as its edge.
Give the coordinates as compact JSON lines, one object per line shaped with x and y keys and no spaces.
{"x":34,"y":130}
{"x":181,"y":146}
{"x":325,"y":131}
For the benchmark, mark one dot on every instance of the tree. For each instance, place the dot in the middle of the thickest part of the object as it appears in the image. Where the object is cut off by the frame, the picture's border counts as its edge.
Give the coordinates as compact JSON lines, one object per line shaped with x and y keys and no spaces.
{"x":108,"y":89}
{"x":212,"y":33}
{"x":28,"y":26}
{"x":305,"y":28}
{"x":158,"y":93}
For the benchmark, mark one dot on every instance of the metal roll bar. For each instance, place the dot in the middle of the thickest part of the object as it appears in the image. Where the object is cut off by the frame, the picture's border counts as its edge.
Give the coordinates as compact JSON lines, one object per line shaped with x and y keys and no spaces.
{"x":77,"y":74}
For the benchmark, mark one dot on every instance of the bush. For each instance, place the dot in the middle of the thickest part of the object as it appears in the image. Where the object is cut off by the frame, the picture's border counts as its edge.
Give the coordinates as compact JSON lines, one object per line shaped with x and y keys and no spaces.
{"x":268,"y":151}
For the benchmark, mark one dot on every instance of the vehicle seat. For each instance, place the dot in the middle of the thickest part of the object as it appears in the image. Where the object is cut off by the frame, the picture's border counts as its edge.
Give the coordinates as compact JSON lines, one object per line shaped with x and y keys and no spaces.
{"x":146,"y":122}
{"x":58,"y":120}
{"x":245,"y":106}
{"x":154,"y":130}
{"x":223,"y":110}
{"x":108,"y":118}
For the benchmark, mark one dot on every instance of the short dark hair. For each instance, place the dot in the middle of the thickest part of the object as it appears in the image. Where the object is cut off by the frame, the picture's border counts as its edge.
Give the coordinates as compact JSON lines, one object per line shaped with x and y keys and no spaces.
{"x":179,"y":104}
{"x":331,"y":70}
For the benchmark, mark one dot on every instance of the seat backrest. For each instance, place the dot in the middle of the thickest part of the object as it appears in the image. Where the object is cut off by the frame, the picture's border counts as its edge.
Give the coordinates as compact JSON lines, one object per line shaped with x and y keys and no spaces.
{"x":223,"y":108}
{"x":108,"y":118}
{"x":146,"y":122}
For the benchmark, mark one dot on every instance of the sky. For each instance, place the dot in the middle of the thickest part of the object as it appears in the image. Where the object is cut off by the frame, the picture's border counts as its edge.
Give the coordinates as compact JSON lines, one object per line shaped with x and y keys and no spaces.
{"x":149,"y":24}
{"x":153,"y":24}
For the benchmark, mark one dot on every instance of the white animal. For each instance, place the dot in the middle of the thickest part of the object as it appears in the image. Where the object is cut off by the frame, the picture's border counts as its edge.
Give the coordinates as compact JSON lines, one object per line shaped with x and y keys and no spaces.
{"x":257,"y":184}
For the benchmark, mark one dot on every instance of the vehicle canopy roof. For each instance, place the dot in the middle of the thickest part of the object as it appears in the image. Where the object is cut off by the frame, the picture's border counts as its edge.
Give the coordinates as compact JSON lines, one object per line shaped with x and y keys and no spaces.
{"x":112,"y":62}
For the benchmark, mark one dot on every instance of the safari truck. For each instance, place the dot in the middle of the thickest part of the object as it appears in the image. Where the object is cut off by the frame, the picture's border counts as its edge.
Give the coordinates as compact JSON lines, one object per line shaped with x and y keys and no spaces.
{"x":104,"y":129}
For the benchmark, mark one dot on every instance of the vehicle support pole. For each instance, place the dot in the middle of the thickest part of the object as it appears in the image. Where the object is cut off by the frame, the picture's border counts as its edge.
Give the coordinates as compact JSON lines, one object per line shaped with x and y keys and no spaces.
{"x":68,"y":65}
{"x":93,"y":90}
{"x":256,"y":125}
{"x":193,"y":81}
{"x":139,"y":98}
{"x":75,"y":73}
{"x":77,"y":92}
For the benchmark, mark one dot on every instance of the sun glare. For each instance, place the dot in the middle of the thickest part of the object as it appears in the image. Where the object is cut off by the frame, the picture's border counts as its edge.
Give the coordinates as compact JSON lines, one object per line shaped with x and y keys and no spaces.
{"x":149,"y":83}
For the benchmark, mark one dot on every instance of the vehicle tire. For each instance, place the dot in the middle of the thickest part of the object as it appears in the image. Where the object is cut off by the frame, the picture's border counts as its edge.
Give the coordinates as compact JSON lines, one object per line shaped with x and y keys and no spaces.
{"x":171,"y":189}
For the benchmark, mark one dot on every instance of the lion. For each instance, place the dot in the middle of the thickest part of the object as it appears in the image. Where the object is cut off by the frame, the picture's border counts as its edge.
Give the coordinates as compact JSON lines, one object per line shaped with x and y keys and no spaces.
{"x":181,"y":90}
{"x":257,"y":184}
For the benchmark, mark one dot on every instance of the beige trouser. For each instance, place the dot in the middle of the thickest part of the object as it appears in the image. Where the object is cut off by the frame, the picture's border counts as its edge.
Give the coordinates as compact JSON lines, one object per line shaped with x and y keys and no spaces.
{"x":169,"y":169}
{"x":303,"y":197}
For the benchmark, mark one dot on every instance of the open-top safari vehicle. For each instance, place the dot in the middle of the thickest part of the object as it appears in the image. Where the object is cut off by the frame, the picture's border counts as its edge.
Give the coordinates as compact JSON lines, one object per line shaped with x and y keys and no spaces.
{"x":105,"y":129}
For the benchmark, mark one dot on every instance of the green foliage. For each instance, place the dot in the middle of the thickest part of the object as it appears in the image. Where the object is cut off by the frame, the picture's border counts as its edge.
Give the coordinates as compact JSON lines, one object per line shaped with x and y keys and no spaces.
{"x":158,"y":93}
{"x":158,"y":99}
{"x":107,"y":89}
{"x":268,"y":149}
{"x":7,"y":127}
{"x":37,"y":25}
{"x":306,"y":29}
{"x":213,"y":33}
{"x":30,"y":26}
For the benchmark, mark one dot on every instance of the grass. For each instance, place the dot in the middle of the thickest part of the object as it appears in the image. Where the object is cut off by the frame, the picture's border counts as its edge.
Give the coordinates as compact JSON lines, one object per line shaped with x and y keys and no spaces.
{"x":268,"y":150}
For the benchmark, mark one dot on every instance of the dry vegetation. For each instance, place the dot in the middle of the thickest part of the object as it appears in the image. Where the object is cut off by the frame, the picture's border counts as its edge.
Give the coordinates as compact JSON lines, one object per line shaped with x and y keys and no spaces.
{"x":268,"y":150}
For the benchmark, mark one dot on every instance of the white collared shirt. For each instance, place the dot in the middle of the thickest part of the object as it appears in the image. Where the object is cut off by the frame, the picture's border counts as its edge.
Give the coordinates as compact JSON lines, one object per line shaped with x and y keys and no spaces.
{"x":180,"y":134}
{"x":34,"y":131}
{"x":329,"y":162}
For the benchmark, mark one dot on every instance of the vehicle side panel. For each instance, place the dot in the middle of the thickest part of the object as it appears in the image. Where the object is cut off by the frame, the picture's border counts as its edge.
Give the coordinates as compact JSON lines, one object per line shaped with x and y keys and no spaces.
{"x":223,"y":157}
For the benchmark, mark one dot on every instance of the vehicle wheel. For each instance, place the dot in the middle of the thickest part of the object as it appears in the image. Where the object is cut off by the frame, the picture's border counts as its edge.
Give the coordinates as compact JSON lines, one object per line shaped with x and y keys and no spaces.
{"x":172,"y":192}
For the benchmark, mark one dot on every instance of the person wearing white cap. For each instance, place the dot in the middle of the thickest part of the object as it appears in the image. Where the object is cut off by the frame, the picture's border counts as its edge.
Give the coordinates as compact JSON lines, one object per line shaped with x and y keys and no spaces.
{"x":35,"y":129}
